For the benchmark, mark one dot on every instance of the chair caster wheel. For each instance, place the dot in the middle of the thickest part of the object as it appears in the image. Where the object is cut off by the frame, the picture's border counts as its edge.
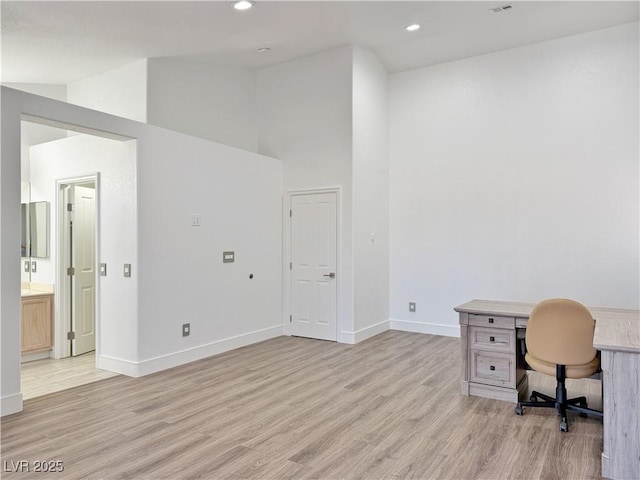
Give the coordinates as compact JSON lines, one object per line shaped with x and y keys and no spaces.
{"x":563,"y":426}
{"x":518,"y":409}
{"x":584,"y":405}
{"x":533,"y":398}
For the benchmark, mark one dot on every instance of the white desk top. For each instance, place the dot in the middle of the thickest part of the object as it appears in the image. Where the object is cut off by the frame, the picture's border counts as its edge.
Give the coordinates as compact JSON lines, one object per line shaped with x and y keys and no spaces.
{"x":616,"y":329}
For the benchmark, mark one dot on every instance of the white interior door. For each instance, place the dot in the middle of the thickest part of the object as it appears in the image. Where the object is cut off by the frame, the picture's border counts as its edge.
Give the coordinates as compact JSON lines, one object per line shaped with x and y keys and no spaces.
{"x":313,"y":265}
{"x":83,"y":242}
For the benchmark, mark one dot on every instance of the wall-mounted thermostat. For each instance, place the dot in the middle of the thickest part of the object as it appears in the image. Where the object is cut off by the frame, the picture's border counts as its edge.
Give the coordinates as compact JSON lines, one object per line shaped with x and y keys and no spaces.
{"x":228,"y":257}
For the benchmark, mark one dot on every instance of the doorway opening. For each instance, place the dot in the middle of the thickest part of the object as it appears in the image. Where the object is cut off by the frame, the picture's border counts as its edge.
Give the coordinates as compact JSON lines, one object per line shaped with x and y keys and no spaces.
{"x":64,"y":169}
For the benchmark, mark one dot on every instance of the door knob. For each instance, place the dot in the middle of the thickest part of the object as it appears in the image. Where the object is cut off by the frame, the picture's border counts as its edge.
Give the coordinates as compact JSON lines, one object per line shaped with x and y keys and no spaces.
{"x":330,"y":275}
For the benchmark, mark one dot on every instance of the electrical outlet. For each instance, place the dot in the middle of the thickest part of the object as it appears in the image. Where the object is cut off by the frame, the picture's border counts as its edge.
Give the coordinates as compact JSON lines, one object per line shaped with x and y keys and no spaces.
{"x":412,"y":306}
{"x":186,"y":329}
{"x":195,"y":219}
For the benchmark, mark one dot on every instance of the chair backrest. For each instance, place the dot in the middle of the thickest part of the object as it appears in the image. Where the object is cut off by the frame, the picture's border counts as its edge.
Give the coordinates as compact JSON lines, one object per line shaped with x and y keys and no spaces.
{"x":560,"y":331}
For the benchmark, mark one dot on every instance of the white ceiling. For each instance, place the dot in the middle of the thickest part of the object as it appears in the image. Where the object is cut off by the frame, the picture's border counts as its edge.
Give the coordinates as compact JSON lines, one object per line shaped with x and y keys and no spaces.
{"x":59,"y":42}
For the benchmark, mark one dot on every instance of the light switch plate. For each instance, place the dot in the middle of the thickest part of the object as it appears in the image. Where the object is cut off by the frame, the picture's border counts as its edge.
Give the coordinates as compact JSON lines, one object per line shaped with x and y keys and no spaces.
{"x":186,"y":329}
{"x":127,"y":269}
{"x":412,"y":306}
{"x":103,"y":269}
{"x":228,"y":257}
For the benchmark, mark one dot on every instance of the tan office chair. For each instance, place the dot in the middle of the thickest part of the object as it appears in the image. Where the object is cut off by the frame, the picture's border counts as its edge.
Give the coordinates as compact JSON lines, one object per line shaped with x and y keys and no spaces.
{"x":559,"y":341}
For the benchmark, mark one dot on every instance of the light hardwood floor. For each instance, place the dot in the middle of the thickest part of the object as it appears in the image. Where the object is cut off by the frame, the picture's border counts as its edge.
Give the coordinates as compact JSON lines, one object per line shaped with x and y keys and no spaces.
{"x":42,"y":377}
{"x":387,"y":408}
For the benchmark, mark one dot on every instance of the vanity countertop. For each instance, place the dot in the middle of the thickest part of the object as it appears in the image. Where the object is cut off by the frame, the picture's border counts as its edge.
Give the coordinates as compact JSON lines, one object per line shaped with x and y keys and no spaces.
{"x":34,"y":289}
{"x":33,"y":293}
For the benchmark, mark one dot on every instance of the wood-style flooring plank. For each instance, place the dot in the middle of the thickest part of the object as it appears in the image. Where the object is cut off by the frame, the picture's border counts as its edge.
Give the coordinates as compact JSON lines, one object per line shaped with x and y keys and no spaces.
{"x":295,"y":408}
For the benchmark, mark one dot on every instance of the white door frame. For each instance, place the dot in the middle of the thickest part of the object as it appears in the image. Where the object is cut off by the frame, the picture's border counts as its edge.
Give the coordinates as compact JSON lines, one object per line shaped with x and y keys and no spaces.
{"x":287,"y":206}
{"x":61,"y":347}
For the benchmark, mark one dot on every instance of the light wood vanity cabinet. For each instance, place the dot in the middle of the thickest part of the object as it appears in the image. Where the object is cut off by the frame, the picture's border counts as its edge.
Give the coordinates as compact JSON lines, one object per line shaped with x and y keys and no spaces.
{"x":37,"y":325}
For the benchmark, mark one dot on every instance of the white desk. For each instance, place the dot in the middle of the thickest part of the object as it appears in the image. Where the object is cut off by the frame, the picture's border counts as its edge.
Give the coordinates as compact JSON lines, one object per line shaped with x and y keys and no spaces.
{"x":492,"y":368}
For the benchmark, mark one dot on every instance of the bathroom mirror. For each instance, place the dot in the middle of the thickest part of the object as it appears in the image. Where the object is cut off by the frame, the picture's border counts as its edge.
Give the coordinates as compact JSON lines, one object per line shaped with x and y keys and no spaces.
{"x":39,"y":229}
{"x":24,"y":235}
{"x":35,"y":230}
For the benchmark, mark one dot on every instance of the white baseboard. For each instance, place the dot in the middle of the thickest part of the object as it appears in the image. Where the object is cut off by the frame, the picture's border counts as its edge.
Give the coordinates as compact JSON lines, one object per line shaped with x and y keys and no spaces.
{"x":364,"y":333}
{"x":152,"y":365}
{"x":32,"y":357}
{"x":175,"y":359}
{"x":11,"y":404}
{"x":421,"y":327}
{"x":118,"y":365}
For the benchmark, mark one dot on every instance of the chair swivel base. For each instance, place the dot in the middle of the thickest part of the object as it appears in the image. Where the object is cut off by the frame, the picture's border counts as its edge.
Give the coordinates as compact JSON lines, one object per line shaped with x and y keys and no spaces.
{"x":560,"y":403}
{"x":578,"y":404}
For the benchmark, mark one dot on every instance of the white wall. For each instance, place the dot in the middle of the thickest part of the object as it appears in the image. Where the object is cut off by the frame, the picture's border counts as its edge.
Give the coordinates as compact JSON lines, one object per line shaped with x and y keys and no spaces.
{"x":121,"y":91}
{"x":514,"y":176}
{"x":370,"y":192}
{"x":33,"y":134}
{"x":178,"y":275}
{"x":10,"y":262}
{"x":209,"y":101}
{"x":239,"y":197}
{"x":115,"y":161}
{"x":305,"y":119}
{"x":58,"y":92}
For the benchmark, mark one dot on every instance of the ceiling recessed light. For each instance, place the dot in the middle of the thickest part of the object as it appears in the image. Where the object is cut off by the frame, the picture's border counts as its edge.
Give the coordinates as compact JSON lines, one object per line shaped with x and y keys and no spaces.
{"x":412,"y":28}
{"x":263,"y":50}
{"x":243,"y":5}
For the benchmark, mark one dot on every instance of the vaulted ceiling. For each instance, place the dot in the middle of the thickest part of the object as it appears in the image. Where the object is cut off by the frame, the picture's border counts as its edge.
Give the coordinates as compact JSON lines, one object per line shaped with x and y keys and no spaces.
{"x":59,"y":42}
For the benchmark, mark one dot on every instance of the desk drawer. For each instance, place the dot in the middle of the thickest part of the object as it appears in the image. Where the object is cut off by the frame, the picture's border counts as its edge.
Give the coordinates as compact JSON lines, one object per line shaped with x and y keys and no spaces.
{"x":492,"y":368}
{"x":491,"y":321}
{"x":492,"y":339}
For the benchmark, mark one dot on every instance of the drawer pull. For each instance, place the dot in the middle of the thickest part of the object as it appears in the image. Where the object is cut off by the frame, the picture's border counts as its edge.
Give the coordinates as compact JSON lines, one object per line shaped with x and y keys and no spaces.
{"x":491,"y":320}
{"x":491,"y":367}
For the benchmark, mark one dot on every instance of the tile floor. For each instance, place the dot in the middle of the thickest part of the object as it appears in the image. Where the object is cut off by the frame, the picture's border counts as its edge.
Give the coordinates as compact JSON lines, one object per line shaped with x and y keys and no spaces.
{"x":42,"y":377}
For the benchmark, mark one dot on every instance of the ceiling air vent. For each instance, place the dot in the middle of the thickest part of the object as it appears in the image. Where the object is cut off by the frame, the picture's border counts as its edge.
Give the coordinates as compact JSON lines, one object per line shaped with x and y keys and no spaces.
{"x":502,"y":8}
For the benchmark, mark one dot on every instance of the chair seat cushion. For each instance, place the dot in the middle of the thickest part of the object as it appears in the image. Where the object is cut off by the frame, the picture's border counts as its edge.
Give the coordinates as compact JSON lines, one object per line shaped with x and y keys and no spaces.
{"x":572,"y":371}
